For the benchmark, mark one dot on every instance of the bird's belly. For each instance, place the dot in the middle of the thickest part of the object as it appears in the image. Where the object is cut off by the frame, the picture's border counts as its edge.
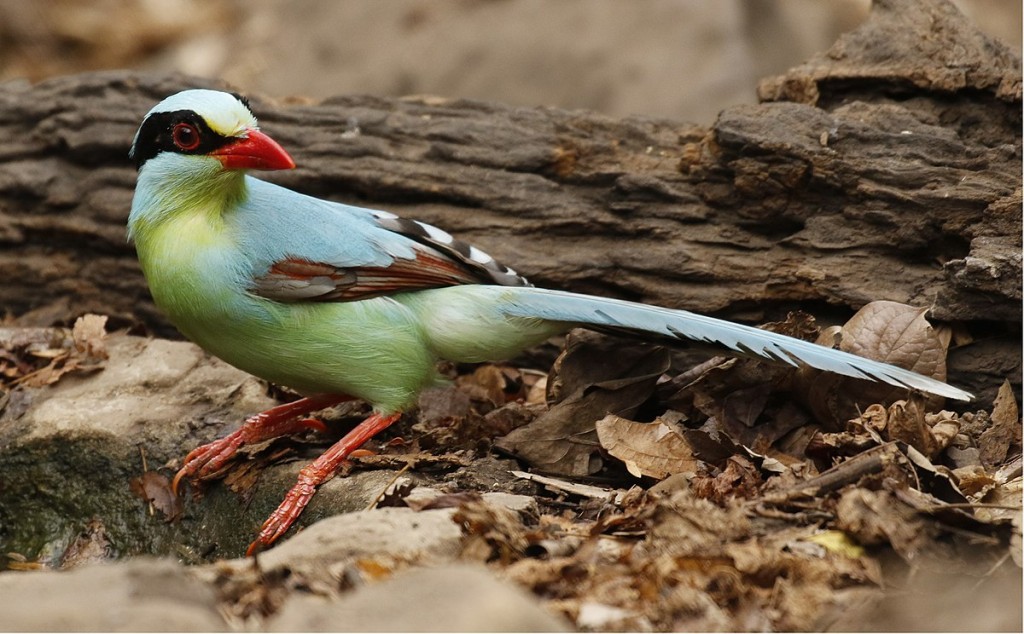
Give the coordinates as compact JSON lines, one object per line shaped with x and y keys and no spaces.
{"x":367,"y":349}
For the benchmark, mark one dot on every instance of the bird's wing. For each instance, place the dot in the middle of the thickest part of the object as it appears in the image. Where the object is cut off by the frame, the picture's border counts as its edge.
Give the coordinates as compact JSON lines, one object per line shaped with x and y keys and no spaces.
{"x":326,"y":251}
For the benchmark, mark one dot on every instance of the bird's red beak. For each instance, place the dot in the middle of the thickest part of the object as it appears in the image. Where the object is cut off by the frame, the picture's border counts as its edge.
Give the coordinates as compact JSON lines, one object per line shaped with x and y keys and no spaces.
{"x":254,"y":151}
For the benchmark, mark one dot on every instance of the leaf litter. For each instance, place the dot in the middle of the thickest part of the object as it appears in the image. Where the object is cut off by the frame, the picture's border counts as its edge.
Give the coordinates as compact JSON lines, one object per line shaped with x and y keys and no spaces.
{"x":733,"y":495}
{"x":35,"y":357}
{"x":742,"y":496}
{"x":730,"y":495}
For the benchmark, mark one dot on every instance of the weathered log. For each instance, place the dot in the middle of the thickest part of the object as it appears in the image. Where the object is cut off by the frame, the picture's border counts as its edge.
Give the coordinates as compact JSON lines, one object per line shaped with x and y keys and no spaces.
{"x":887,"y":168}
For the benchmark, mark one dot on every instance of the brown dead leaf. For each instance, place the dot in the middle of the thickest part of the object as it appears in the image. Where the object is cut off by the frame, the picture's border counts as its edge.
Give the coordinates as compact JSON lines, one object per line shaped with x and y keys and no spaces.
{"x":1004,"y":430}
{"x":493,"y":384}
{"x":743,"y":398}
{"x":877,"y":517}
{"x":90,"y":546}
{"x":944,"y":427}
{"x":687,"y":525}
{"x":596,"y":376}
{"x":155,"y":488}
{"x":21,"y":563}
{"x":493,"y":533}
{"x":897,"y":334}
{"x":935,"y":481}
{"x":740,"y":479}
{"x":536,"y":387}
{"x":396,"y":496}
{"x":654,"y":449}
{"x":510,"y":416}
{"x":81,"y":349}
{"x":885,"y":331}
{"x":89,"y":334}
{"x":974,"y":481}
{"x":906,"y":422}
{"x":1005,"y":505}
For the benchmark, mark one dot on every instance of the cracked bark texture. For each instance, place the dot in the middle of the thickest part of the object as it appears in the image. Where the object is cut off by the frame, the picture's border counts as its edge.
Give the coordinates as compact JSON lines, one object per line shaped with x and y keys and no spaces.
{"x":888,"y":167}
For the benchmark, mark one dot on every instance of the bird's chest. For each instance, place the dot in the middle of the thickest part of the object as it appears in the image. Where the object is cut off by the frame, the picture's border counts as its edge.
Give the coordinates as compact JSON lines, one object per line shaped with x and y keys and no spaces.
{"x":193,"y":270}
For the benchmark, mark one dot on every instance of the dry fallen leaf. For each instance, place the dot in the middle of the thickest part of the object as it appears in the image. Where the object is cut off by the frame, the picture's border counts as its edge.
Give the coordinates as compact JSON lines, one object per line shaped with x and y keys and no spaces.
{"x":654,"y":449}
{"x":877,"y":517}
{"x":994,"y":443}
{"x":907,"y":422}
{"x":492,"y":532}
{"x":89,"y":334}
{"x":890,"y":332}
{"x":592,"y":382}
{"x":155,"y":488}
{"x":897,"y":334}
{"x":81,"y":350}
{"x":739,"y":479}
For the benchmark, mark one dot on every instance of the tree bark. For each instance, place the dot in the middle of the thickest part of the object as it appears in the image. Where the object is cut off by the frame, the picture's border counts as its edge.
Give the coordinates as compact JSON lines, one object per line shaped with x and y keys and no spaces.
{"x":888,"y":167}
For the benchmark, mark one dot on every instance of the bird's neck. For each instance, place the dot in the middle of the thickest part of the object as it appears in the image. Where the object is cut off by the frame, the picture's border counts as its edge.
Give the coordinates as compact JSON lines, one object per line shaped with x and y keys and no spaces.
{"x":174,"y":187}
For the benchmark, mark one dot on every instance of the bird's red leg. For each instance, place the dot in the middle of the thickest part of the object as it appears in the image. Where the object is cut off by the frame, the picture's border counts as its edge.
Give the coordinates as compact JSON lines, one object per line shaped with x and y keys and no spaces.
{"x":207,"y":459}
{"x":313,"y":475}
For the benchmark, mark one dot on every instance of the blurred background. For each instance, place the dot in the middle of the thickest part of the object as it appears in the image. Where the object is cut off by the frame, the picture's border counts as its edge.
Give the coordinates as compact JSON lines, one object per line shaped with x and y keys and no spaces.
{"x":680,"y":59}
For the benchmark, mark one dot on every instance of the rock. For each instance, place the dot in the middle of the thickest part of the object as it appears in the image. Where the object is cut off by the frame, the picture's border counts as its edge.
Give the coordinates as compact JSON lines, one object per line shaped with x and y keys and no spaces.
{"x":135,"y":596}
{"x":71,"y":449}
{"x":150,"y":391}
{"x":397,"y":533}
{"x":524,"y":504}
{"x":453,"y":598}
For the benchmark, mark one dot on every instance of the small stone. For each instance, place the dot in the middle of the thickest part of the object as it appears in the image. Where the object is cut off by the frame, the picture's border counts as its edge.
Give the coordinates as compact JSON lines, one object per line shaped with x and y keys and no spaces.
{"x":453,"y":598}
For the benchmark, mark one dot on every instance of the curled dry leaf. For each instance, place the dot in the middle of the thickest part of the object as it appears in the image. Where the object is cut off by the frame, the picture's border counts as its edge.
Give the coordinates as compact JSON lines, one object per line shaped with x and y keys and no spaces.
{"x":907,"y":421}
{"x":492,"y":532}
{"x":83,"y":351}
{"x":974,"y":481}
{"x":155,"y":488}
{"x":878,"y":517}
{"x":890,"y":332}
{"x":740,"y":479}
{"x":1004,"y":430}
{"x":89,"y":333}
{"x":654,"y":449}
{"x":494,"y":384}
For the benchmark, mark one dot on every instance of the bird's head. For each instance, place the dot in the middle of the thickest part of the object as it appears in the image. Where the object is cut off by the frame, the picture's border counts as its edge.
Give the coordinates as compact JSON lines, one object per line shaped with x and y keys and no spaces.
{"x":192,"y":151}
{"x":206,"y":131}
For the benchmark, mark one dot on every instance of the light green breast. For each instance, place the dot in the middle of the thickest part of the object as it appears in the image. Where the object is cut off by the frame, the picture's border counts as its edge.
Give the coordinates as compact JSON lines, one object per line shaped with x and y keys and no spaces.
{"x":372,"y":349}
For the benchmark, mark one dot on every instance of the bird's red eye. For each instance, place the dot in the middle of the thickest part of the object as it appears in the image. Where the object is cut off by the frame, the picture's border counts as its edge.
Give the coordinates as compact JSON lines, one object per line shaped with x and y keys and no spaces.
{"x":185,"y":136}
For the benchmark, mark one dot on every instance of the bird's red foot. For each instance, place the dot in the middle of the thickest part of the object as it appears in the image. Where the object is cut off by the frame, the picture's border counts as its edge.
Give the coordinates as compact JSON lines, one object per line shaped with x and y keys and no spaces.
{"x":313,"y":475}
{"x":206,"y":460}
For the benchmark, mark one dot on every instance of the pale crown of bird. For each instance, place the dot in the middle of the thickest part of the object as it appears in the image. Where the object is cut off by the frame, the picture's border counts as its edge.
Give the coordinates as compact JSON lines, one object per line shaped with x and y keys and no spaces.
{"x":225,"y":113}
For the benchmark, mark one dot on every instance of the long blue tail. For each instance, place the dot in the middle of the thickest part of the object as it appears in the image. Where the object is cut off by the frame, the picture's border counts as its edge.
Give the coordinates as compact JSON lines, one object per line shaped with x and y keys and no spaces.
{"x":680,"y":324}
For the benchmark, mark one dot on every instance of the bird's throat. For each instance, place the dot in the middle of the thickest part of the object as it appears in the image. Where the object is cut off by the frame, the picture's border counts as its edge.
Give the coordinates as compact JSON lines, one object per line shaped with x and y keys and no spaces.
{"x":171,"y":192}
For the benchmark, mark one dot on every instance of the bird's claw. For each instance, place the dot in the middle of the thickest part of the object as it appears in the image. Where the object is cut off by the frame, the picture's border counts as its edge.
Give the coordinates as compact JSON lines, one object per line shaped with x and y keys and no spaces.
{"x":205,"y":461}
{"x":285,"y":515}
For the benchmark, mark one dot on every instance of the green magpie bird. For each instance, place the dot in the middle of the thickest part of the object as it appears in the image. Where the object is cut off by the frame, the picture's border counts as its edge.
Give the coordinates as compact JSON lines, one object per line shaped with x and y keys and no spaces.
{"x":340,"y":302}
